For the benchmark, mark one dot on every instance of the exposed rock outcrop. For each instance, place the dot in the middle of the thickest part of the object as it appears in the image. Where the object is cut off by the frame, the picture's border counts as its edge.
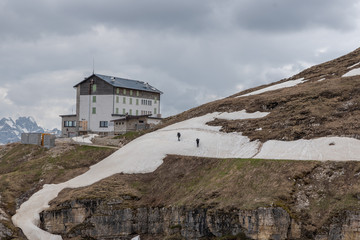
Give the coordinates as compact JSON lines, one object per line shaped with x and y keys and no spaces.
{"x":4,"y":218}
{"x":100,"y":220}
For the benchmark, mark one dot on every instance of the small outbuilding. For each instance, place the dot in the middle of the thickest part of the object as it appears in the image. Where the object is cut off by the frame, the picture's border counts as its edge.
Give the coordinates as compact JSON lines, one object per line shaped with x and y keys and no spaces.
{"x":129,"y":123}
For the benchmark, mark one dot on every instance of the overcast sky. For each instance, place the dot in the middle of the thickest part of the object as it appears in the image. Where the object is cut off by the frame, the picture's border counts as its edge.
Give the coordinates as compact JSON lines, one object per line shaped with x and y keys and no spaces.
{"x":194,"y":51}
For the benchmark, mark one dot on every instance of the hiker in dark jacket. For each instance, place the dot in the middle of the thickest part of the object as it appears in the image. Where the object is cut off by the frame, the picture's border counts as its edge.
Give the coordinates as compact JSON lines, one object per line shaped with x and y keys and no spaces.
{"x":197,"y":142}
{"x":178,"y":135}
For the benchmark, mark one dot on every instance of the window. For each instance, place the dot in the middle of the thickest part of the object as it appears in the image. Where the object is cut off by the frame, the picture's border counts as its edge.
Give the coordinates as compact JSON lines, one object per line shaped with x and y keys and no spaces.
{"x":69,"y":123}
{"x":155,"y":100}
{"x":150,"y":102}
{"x":117,"y":99}
{"x":124,"y":91}
{"x":117,"y":110}
{"x":154,"y":110}
{"x":124,"y":111}
{"x":104,"y":124}
{"x":130,"y":101}
{"x":137,"y":101}
{"x":130,"y":111}
{"x":124,"y":100}
{"x":137,"y":93}
{"x":137,"y":112}
{"x":117,"y":90}
{"x":94,"y":87}
{"x":94,"y":99}
{"x":94,"y":110}
{"x":131,"y":92}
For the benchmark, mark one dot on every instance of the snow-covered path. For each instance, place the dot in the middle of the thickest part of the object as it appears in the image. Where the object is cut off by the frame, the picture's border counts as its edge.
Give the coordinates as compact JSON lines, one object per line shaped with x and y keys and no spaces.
{"x":151,"y":148}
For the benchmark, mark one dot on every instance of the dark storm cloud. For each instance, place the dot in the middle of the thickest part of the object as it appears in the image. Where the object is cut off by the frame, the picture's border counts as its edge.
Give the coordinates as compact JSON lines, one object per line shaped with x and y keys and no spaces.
{"x":194,"y":51}
{"x":33,"y":19}
{"x":294,"y":15}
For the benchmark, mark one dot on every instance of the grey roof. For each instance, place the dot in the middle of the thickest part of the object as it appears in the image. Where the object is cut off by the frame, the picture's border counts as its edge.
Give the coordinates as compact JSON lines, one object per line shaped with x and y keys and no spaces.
{"x":128,"y":83}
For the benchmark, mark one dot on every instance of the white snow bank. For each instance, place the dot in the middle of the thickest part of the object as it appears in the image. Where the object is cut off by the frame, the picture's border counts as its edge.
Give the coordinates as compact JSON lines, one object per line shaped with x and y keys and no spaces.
{"x":353,"y":72}
{"x":241,"y":115}
{"x":136,"y":238}
{"x":326,"y":148}
{"x":85,"y":138}
{"x":290,"y":83}
{"x":154,"y":147}
{"x":354,"y":65}
{"x":151,"y":148}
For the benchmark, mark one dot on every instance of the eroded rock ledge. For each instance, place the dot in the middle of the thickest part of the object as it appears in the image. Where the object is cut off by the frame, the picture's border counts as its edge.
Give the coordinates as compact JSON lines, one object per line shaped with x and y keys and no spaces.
{"x":100,"y":220}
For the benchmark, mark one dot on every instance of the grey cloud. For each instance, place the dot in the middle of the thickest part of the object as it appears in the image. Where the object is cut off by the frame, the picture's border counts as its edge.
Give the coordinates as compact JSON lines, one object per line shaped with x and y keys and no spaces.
{"x":191,"y":50}
{"x":33,"y":19}
{"x":294,"y":15}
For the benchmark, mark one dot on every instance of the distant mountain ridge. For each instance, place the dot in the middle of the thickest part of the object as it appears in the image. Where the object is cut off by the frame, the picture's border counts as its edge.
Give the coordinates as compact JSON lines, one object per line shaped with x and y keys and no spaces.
{"x":10,"y":130}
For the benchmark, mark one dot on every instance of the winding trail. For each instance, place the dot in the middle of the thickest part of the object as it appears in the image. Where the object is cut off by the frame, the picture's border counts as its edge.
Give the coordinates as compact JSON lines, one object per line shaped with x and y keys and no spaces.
{"x":151,"y":148}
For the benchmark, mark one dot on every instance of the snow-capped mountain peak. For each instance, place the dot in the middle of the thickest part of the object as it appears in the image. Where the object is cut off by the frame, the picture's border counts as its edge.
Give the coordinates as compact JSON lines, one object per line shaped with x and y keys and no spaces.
{"x":10,"y":130}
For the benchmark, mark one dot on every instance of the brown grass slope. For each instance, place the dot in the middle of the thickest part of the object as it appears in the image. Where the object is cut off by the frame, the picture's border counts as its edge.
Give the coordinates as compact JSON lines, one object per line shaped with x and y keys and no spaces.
{"x":308,"y":110}
{"x":314,"y":193}
{"x":24,"y":169}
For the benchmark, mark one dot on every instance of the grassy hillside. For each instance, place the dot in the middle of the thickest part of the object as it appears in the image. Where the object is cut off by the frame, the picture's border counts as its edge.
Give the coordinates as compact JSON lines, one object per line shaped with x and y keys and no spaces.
{"x":312,"y":192}
{"x":24,"y":169}
{"x":330,"y":107}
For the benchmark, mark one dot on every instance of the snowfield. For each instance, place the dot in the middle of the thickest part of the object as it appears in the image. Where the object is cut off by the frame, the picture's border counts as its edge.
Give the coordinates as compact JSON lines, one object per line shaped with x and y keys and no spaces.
{"x":84,"y":139}
{"x":290,"y":83}
{"x":351,"y":73}
{"x":156,"y":145}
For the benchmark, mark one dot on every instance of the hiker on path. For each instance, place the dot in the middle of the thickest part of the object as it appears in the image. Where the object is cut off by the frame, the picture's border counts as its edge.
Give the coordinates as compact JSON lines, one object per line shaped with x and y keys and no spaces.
{"x":197,"y":142}
{"x":178,"y":135}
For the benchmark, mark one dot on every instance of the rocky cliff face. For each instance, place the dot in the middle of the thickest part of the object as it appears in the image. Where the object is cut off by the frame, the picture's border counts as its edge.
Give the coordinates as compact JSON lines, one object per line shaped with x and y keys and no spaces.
{"x":104,"y":220}
{"x":5,"y":231}
{"x":284,"y":200}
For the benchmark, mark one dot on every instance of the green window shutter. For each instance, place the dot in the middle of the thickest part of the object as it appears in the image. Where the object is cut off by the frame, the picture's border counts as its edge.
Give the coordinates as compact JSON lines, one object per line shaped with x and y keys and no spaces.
{"x":94,"y":87}
{"x":117,"y":99}
{"x":94,"y":99}
{"x":154,"y":110}
{"x":117,"y":111}
{"x":124,"y":111}
{"x":124,"y":100}
{"x":131,"y":92}
{"x":130,"y":111}
{"x":117,"y":90}
{"x":137,"y":93}
{"x":94,"y":110}
{"x":137,"y":112}
{"x":124,"y":91}
{"x":137,"y":101}
{"x":130,"y":100}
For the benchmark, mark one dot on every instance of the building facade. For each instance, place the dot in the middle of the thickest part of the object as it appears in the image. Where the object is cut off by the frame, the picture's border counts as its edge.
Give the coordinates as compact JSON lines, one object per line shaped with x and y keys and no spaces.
{"x":68,"y":126}
{"x":100,"y":99}
{"x":134,"y":123}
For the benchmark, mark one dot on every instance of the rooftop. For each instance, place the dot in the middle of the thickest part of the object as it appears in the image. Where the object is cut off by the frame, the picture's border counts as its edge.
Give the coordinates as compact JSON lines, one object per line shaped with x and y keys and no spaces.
{"x":126,"y":83}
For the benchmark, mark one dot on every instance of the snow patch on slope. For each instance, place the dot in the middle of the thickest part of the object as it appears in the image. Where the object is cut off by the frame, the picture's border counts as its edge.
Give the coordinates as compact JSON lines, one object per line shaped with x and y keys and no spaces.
{"x":290,"y":83}
{"x":351,"y":73}
{"x":154,"y":147}
{"x":241,"y":115}
{"x":354,"y":65}
{"x":85,"y":138}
